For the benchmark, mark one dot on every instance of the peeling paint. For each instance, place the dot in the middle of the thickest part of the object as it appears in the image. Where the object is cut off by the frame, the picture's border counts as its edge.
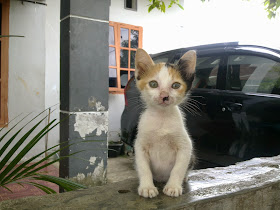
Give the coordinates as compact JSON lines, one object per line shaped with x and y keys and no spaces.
{"x":99,"y":171}
{"x":93,"y":103}
{"x":97,"y":177}
{"x":99,"y":106}
{"x":80,"y":177}
{"x":88,"y":122}
{"x":92,"y":160}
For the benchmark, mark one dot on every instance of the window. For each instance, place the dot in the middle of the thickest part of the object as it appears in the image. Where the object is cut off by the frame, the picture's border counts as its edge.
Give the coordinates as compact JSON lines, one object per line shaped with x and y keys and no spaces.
{"x":170,"y":57}
{"x":206,"y":72}
{"x":124,"y":40}
{"x":130,"y":4}
{"x":253,"y":74}
{"x":4,"y":46}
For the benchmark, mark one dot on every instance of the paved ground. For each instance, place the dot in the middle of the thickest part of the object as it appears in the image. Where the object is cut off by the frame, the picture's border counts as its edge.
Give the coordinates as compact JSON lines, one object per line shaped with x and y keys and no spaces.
{"x":120,"y":169}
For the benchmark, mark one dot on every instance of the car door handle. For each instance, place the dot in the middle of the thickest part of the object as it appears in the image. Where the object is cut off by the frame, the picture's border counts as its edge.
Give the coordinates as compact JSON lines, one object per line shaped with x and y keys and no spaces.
{"x":230,"y":106}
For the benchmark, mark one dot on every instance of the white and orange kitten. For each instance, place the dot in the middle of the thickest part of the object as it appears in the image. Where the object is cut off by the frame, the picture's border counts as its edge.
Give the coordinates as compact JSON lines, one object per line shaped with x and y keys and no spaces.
{"x":163,"y":148}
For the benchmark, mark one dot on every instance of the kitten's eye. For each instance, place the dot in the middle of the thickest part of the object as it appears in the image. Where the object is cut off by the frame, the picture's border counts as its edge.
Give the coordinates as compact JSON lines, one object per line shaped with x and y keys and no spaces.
{"x":153,"y":84}
{"x":176,"y":85}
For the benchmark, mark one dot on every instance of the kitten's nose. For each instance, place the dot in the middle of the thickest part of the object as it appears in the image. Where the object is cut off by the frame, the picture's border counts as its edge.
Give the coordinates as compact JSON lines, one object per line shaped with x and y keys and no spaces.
{"x":164,"y":96}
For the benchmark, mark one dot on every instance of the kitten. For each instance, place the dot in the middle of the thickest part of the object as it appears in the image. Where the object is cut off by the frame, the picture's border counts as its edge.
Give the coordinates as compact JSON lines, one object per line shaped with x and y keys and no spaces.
{"x":163,"y":148}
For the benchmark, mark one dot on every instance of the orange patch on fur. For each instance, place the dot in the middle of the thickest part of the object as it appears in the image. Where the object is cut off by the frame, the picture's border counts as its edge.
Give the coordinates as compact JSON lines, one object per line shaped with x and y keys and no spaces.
{"x":152,"y":71}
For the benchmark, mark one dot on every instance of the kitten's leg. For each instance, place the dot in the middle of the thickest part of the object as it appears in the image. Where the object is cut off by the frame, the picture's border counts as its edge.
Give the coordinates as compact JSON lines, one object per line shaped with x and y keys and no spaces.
{"x":173,"y":187}
{"x":146,"y":188}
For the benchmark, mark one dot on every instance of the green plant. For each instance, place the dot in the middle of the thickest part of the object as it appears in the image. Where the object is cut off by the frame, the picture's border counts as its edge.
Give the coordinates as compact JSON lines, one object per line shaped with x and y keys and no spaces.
{"x":12,"y":171}
{"x":160,"y":5}
{"x":271,"y":6}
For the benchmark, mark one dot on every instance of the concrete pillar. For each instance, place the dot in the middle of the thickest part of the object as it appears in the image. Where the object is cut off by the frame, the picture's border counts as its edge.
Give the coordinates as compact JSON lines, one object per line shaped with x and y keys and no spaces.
{"x":84,"y":88}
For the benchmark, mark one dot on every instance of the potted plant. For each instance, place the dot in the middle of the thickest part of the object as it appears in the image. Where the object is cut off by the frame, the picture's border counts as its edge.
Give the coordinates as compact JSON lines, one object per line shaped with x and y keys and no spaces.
{"x":116,"y":147}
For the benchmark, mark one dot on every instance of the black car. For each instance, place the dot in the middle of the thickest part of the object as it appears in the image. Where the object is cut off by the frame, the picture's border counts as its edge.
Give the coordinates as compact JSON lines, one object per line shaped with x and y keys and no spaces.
{"x":234,"y":105}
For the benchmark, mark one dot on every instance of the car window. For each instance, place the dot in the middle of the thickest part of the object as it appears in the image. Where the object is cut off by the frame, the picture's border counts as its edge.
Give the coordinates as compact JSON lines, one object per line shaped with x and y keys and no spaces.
{"x":253,"y":74}
{"x":166,"y":58}
{"x":206,"y":72}
{"x":161,"y":59}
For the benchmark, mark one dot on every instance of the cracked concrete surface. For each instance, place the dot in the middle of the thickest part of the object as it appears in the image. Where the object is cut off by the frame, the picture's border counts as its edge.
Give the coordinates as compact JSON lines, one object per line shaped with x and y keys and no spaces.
{"x":253,"y":184}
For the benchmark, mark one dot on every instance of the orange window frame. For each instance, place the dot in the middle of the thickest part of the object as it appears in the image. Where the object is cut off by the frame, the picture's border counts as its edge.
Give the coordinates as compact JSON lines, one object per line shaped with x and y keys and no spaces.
{"x":117,"y":34}
{"x":4,"y":63}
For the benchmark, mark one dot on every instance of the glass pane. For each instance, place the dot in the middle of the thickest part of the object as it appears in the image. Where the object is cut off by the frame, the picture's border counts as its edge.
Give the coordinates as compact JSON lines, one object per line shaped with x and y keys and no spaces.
{"x":271,"y":83}
{"x":206,"y":72}
{"x":132,"y":59}
{"x":124,"y":37}
{"x":131,"y":73}
{"x":134,"y":37}
{"x":124,"y":78}
{"x":124,"y":58}
{"x":112,"y":56}
{"x":111,"y":36}
{"x":112,"y":77}
{"x":253,"y":74}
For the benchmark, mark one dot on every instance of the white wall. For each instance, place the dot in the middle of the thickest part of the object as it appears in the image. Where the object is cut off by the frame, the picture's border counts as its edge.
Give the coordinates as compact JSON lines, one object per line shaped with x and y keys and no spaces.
{"x":26,"y":81}
{"x":161,"y":31}
{"x":33,"y":65}
{"x":52,"y":65}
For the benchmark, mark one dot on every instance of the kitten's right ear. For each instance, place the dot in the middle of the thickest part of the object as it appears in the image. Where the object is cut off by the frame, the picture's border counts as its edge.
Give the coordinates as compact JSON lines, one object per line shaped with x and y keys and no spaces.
{"x":142,"y":63}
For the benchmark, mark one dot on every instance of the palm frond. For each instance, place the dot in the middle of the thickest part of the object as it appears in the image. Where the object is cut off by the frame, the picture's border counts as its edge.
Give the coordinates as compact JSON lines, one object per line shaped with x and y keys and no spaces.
{"x":28,"y":170}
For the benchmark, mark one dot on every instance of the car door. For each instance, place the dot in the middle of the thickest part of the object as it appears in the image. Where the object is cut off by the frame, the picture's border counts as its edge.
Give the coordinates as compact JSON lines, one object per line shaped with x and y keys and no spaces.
{"x":250,"y":102}
{"x":203,"y":103}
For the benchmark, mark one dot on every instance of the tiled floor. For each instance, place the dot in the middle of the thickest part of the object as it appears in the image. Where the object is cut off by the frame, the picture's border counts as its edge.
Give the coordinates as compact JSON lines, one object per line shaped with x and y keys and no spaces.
{"x":29,"y":190}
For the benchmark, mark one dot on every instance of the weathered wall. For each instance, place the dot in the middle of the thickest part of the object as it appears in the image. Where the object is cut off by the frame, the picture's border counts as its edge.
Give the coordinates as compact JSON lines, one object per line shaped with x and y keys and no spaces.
{"x":84,"y":88}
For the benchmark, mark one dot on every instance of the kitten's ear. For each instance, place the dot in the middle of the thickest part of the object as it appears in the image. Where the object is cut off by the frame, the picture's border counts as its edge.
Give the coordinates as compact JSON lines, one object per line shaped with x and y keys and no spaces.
{"x":142,"y":63}
{"x":187,"y":63}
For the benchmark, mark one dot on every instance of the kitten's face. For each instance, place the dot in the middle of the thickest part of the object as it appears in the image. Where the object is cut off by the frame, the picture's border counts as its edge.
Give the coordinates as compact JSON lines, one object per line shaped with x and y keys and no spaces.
{"x":164,"y":85}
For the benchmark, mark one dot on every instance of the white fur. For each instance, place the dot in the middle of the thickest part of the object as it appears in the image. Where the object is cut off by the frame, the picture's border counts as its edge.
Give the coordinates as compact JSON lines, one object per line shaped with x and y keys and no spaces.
{"x":163,"y":147}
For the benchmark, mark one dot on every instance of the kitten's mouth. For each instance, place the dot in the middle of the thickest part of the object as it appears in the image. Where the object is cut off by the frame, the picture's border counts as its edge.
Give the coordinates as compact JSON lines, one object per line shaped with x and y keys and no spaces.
{"x":165,"y":102}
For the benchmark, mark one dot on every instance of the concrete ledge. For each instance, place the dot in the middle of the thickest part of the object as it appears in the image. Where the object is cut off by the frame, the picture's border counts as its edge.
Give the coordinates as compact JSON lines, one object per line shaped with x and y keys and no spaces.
{"x":253,"y":184}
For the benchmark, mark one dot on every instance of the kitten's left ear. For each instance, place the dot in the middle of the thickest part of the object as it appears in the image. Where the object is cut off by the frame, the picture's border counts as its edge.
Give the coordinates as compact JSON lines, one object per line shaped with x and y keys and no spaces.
{"x":187,"y":63}
{"x":143,"y":62}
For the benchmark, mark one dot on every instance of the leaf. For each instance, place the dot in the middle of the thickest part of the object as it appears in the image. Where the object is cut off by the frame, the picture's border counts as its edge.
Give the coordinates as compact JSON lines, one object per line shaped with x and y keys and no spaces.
{"x":7,"y":189}
{"x":67,"y":184}
{"x":23,"y":152}
{"x":2,"y":137}
{"x":163,"y":7}
{"x":13,"y":173}
{"x":42,"y":187}
{"x":151,"y":8}
{"x":179,"y":5}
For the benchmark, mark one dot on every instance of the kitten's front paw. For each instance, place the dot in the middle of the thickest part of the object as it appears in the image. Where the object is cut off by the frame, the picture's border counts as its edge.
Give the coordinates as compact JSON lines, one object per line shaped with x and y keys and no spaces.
{"x":172,"y":190}
{"x":148,"y":192}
